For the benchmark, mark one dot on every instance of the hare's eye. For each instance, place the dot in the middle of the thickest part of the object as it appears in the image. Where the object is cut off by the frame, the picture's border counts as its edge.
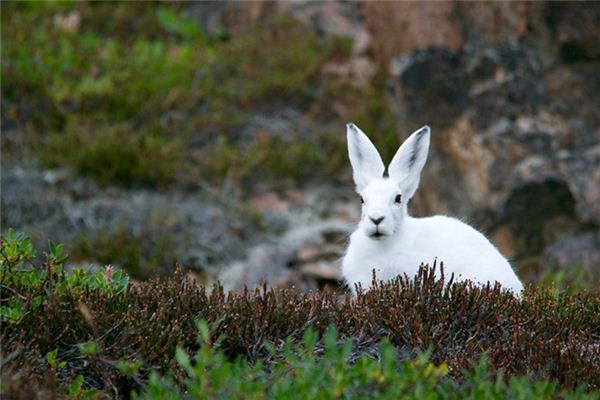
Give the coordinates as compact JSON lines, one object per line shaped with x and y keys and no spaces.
{"x":398,"y":199}
{"x":362,"y":201}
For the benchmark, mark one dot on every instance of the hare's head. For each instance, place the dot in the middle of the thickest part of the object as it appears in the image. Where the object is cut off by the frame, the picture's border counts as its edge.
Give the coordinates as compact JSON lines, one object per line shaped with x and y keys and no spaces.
{"x":384,"y":198}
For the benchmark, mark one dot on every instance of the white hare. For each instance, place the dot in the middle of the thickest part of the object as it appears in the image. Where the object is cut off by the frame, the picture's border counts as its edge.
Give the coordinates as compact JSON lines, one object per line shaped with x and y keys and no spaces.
{"x":394,"y":243}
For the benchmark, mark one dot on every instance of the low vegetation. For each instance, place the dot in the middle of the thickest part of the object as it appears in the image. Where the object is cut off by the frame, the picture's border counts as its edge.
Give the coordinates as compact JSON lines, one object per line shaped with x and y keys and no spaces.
{"x":144,"y":254}
{"x":81,"y":334}
{"x":143,"y":95}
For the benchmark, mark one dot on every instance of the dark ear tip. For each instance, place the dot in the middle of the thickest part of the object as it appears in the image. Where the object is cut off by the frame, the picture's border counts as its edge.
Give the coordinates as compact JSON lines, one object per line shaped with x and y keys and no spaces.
{"x":350,"y":125}
{"x":424,"y":130}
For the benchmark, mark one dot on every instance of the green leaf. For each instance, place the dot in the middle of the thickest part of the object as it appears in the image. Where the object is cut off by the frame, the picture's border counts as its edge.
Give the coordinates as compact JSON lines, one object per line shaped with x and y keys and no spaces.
{"x":129,"y":368}
{"x":75,"y":387}
{"x":51,"y":357}
{"x":88,"y":348}
{"x":183,"y":359}
{"x":204,"y":331}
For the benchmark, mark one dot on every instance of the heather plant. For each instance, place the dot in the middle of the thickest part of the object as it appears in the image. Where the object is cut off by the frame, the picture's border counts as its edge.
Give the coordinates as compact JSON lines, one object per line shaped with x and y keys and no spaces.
{"x":74,"y":333}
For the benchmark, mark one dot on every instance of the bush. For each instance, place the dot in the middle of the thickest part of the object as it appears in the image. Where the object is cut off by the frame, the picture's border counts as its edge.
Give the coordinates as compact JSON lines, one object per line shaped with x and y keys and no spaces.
{"x":114,"y":334}
{"x":115,"y":153}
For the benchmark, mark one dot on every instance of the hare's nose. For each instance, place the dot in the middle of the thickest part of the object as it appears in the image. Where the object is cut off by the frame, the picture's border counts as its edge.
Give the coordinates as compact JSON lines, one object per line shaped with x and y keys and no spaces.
{"x":376,"y":221}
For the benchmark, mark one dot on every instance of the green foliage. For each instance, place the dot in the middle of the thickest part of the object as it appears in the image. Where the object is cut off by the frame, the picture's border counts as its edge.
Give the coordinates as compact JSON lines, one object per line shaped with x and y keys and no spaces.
{"x":115,"y":152}
{"x":174,"y":22}
{"x":251,"y":73}
{"x":296,"y":371}
{"x":572,"y":279}
{"x":50,"y":279}
{"x":133,"y":107}
{"x":59,"y":325}
{"x":12,"y":312}
{"x":267,"y":158}
{"x":88,"y":348}
{"x":55,"y":254}
{"x":105,"y":280}
{"x":77,"y":392}
{"x":129,"y":368}
{"x":16,"y":248}
{"x":124,"y":248}
{"x":51,"y":358}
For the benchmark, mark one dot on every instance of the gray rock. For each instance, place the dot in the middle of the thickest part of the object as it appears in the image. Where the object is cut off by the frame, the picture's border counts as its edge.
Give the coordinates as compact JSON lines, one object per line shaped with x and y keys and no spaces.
{"x":583,"y":172}
{"x":577,"y":250}
{"x":284,"y":262}
{"x":200,"y":230}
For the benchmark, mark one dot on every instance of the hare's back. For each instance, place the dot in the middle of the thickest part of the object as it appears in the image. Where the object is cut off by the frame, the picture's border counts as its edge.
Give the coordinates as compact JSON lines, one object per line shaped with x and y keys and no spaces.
{"x":464,"y":251}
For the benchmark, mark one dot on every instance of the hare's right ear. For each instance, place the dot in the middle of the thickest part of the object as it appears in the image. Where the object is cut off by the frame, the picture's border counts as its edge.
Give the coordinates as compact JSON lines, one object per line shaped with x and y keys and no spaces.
{"x":364,"y":157}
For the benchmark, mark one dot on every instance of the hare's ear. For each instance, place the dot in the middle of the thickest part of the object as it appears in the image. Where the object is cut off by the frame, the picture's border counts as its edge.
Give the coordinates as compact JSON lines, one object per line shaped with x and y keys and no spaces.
{"x":409,"y":160}
{"x":364,"y":157}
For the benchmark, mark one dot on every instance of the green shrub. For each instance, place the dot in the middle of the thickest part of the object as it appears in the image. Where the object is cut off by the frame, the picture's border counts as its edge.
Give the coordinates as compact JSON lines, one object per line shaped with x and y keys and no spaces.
{"x":313,"y":371}
{"x":146,"y":253}
{"x":115,"y":153}
{"x":51,"y":281}
{"x":267,"y":159}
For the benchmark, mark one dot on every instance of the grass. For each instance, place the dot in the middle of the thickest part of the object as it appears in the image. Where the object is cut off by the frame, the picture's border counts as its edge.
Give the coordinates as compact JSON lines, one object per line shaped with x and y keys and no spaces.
{"x":79,"y":333}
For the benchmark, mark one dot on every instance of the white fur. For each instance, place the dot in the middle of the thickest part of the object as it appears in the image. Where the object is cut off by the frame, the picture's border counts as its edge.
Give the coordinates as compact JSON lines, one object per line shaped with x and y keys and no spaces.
{"x":400,"y":242}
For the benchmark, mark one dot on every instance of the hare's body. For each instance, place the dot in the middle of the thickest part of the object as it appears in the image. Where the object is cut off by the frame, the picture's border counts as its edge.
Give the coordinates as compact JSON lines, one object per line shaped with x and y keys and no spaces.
{"x":391,"y":242}
{"x":464,"y":252}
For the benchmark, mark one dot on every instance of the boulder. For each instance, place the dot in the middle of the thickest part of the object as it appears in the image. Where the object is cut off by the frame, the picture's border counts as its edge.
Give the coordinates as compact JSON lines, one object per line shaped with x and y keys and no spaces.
{"x":580,"y":250}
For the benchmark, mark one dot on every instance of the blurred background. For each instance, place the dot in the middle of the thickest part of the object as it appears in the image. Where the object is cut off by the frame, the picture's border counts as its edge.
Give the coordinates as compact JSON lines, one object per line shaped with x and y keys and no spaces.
{"x":212,"y":134}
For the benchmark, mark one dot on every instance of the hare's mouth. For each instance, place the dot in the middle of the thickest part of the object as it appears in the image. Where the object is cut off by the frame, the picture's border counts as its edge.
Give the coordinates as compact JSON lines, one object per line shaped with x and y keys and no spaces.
{"x":377,"y":235}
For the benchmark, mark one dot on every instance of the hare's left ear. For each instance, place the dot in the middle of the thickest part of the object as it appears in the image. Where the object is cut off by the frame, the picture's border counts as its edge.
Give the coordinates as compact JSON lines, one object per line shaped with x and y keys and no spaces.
{"x":409,"y":160}
{"x":364,"y":157}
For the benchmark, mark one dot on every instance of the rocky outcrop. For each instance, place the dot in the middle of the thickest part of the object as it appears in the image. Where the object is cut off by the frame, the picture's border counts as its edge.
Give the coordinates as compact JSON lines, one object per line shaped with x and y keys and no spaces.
{"x":515,"y":123}
{"x":200,"y":230}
